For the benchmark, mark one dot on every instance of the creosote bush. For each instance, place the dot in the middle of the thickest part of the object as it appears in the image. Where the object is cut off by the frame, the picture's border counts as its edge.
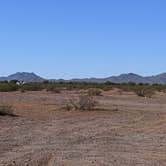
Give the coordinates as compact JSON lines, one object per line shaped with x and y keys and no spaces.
{"x":94,"y":92}
{"x":68,"y":107}
{"x":84,"y":102}
{"x":53,"y":89}
{"x":6,"y":110}
{"x":92,"y":88}
{"x":145,"y":92}
{"x":32,"y":87}
{"x":8,"y":87}
{"x":140,"y":92}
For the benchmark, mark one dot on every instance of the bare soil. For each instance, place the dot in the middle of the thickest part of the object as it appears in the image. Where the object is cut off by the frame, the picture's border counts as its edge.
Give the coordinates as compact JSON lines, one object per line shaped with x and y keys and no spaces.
{"x":125,"y":130}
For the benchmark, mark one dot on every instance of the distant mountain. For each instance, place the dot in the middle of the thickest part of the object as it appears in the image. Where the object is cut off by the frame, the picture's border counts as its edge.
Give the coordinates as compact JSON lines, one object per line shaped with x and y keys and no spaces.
{"x":123,"y":78}
{"x":24,"y":76}
{"x":160,"y":79}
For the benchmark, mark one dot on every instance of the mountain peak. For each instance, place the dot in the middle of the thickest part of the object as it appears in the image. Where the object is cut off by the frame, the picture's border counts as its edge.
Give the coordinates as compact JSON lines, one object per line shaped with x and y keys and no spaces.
{"x":24,"y":76}
{"x":130,"y":75}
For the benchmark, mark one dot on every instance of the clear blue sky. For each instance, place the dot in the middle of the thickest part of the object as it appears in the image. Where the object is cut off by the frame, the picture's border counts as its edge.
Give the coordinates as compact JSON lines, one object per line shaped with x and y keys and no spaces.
{"x":82,"y":38}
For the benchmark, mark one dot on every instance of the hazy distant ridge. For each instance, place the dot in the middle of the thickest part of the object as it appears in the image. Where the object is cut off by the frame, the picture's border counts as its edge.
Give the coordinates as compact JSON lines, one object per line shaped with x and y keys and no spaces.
{"x":123,"y":78}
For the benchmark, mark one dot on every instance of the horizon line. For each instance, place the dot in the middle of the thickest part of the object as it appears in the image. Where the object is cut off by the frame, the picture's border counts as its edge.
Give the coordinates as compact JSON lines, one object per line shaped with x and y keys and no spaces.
{"x":113,"y":75}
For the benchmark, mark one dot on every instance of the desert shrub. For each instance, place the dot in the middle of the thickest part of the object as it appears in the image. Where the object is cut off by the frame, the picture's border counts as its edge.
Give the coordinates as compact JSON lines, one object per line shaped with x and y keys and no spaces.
{"x":6,"y":110}
{"x":140,"y":92}
{"x":109,"y":83}
{"x":131,"y":83}
{"x":8,"y":87}
{"x":93,"y":88}
{"x":67,"y":107}
{"x":145,"y":92}
{"x":13,"y":81}
{"x":32,"y":87}
{"x":46,"y":82}
{"x":53,"y":88}
{"x":69,"y":88}
{"x":22,"y":90}
{"x":94,"y":92}
{"x":85,"y":102}
{"x":159,"y":87}
{"x":149,"y":92}
{"x":106,"y":88}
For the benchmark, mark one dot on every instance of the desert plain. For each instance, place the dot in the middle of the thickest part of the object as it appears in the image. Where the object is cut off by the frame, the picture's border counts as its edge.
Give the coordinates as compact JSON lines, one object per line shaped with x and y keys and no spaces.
{"x":124,"y":130}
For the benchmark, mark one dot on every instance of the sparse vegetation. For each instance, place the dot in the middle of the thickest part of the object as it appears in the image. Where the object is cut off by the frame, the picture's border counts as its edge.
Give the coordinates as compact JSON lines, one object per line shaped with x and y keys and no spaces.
{"x":84,"y":102}
{"x":46,"y":112}
{"x":68,"y":107}
{"x":52,"y":88}
{"x":94,"y":92}
{"x":6,"y":110}
{"x":8,"y":87}
{"x":145,"y":92}
{"x":32,"y":87}
{"x":140,"y":92}
{"x":95,"y":89}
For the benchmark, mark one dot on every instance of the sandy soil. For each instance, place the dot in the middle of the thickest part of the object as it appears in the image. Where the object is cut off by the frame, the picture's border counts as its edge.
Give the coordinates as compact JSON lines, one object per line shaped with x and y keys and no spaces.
{"x":126,"y":130}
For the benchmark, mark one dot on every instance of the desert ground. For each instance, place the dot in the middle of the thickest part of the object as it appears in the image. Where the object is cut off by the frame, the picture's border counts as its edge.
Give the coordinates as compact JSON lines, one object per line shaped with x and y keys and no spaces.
{"x":125,"y":130}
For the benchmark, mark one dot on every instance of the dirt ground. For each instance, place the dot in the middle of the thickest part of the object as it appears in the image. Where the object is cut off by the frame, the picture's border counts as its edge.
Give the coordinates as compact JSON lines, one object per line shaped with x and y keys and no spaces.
{"x":125,"y":130}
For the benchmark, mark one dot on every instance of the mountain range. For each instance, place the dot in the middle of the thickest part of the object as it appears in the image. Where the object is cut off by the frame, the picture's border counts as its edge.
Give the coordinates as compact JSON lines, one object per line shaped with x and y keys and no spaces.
{"x":123,"y":78}
{"x":23,"y":76}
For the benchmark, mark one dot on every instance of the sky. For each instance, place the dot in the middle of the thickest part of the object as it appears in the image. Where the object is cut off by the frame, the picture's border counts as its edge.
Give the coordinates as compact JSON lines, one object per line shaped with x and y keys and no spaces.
{"x":82,"y":38}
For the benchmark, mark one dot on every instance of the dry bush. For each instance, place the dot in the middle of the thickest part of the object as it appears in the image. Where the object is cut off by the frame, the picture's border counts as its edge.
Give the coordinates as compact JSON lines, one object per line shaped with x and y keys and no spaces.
{"x":53,"y":89}
{"x":149,"y":93}
{"x":94,"y":92}
{"x":145,"y":92}
{"x":84,"y":102}
{"x":67,"y":107}
{"x":6,"y":110}
{"x":22,"y":90}
{"x":140,"y":93}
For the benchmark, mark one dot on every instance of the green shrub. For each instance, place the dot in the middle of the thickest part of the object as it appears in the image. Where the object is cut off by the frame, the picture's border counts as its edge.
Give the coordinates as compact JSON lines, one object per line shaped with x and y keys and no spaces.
{"x":8,"y":87}
{"x":32,"y":87}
